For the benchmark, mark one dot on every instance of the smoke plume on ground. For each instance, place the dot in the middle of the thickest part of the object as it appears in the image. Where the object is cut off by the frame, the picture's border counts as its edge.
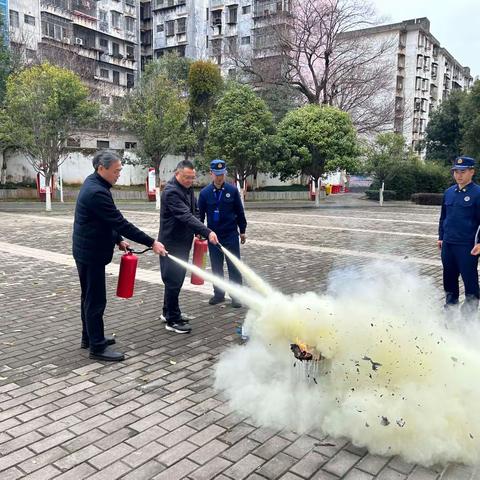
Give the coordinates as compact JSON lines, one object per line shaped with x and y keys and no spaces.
{"x":392,"y":377}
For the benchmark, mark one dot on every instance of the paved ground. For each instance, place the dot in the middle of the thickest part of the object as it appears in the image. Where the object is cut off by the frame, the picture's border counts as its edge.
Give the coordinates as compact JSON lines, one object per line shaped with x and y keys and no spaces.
{"x":156,"y":415}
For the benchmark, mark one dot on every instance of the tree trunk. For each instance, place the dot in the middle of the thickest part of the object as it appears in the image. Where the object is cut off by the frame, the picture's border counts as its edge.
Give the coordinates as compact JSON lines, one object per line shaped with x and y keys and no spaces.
{"x":3,"y":159}
{"x":48,"y":193}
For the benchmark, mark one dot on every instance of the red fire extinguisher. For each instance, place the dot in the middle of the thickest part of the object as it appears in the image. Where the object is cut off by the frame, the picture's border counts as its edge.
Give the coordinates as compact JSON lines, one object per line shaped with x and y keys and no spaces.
{"x":126,"y":276}
{"x":200,"y":248}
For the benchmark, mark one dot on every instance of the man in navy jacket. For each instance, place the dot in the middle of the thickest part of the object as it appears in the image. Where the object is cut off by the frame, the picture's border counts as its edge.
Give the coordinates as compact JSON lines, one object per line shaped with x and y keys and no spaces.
{"x":178,"y":224}
{"x":222,"y":205}
{"x":458,"y":235}
{"x":98,"y":226}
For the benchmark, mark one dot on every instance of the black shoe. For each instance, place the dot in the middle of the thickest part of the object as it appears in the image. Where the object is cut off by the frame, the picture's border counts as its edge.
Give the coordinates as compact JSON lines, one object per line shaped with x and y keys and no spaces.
{"x":108,"y":355}
{"x":216,"y":300}
{"x":178,"y":327}
{"x":236,"y":304}
{"x":110,"y":339}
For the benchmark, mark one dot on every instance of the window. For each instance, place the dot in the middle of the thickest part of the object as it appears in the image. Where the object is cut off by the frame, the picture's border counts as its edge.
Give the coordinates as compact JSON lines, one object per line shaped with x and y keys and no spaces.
{"x":102,"y":16}
{"x":181,"y":25}
{"x":129,"y":24}
{"x":104,"y":73}
{"x":115,"y":19}
{"x":14,"y":20}
{"x":54,"y":31}
{"x":129,"y":145}
{"x":29,"y":20}
{"x":421,"y":40}
{"x":424,"y":104}
{"x":418,"y":83}
{"x":170,"y":27}
{"x":232,"y":14}
{"x":104,"y":44}
{"x":73,"y":142}
{"x":103,"y":144}
{"x":425,"y":85}
{"x":399,"y":83}
{"x":246,"y":9}
{"x":245,"y":41}
{"x":160,"y":28}
{"x":115,"y":49}
{"x":415,"y":125}
{"x":419,"y":61}
{"x":130,"y":80}
{"x":130,"y":52}
{"x":216,"y":17}
{"x":116,"y":77}
{"x":417,"y":104}
{"x":159,"y":3}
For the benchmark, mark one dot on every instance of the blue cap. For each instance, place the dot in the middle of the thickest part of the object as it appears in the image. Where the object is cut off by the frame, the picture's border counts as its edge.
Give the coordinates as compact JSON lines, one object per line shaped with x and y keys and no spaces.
{"x":462,"y":163}
{"x":218,"y":167}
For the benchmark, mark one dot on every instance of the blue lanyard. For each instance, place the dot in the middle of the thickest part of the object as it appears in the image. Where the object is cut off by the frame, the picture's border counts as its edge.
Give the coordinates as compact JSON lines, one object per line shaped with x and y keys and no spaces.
{"x":218,"y":197}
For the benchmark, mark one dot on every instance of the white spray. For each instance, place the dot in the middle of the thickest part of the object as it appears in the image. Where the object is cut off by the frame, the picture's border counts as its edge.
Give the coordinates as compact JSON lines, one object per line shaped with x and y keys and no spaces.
{"x":392,"y":378}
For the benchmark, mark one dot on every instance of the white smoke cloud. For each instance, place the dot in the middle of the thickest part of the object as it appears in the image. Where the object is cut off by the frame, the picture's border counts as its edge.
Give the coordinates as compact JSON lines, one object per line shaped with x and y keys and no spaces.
{"x":394,"y":379}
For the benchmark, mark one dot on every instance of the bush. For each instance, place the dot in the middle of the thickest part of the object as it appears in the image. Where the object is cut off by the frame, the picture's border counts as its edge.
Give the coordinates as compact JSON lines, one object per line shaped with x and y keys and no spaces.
{"x":375,"y":194}
{"x":416,"y":177}
{"x":427,"y":198}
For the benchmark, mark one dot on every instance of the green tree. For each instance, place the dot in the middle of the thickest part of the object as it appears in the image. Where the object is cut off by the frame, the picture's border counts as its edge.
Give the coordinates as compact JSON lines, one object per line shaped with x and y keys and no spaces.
{"x":317,"y":139}
{"x":444,"y":133}
{"x":157,"y":114}
{"x":44,"y":106}
{"x":241,"y":132}
{"x":205,"y":85}
{"x":171,"y":66}
{"x":386,"y":156}
{"x":470,"y":122}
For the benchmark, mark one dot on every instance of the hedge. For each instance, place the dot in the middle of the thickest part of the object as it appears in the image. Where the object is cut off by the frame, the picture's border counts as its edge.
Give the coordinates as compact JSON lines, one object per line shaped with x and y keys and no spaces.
{"x":427,"y":198}
{"x":375,"y":194}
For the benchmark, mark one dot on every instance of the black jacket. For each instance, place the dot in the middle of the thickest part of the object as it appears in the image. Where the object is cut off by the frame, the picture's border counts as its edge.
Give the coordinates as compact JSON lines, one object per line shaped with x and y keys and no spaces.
{"x":179,"y":215}
{"x":99,"y":225}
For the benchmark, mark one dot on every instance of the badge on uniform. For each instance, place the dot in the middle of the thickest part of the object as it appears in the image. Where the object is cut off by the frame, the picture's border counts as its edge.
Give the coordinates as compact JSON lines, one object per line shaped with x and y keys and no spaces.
{"x":216,"y":215}
{"x":227,"y":195}
{"x":467,"y":198}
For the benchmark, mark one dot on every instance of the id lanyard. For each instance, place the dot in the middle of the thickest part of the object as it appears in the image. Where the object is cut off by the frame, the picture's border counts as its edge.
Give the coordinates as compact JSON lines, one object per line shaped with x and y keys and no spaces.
{"x":216,"y":212}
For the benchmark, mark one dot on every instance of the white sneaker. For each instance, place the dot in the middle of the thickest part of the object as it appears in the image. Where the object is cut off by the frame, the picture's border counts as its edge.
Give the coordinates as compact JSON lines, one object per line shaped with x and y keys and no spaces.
{"x":163,"y":319}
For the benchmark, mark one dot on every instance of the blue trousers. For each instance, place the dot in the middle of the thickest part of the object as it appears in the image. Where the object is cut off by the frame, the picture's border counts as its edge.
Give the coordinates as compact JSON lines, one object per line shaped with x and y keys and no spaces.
{"x":457,"y":260}
{"x":217,"y":257}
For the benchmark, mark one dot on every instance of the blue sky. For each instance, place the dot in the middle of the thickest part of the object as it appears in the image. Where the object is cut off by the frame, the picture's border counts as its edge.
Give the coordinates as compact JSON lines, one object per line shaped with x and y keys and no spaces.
{"x":455,"y":24}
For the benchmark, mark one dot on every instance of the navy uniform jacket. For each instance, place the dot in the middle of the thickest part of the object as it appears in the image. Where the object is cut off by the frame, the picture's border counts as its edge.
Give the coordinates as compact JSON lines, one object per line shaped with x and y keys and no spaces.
{"x":460,"y":217}
{"x":99,"y":225}
{"x":179,"y":215}
{"x":232,"y":216}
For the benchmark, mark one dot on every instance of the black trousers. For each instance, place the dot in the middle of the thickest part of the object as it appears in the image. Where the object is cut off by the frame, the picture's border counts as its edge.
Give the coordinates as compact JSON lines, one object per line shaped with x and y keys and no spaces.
{"x":457,"y":260}
{"x":232,"y":244}
{"x":173,"y":276}
{"x":93,"y":303}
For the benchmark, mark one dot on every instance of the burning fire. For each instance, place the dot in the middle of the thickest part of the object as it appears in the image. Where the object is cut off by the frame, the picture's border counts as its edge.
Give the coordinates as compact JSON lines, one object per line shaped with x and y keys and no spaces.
{"x":304,"y":352}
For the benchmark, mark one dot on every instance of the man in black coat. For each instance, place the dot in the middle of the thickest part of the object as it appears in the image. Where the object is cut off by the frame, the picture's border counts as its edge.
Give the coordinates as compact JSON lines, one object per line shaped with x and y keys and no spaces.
{"x":98,"y":226}
{"x":178,"y":224}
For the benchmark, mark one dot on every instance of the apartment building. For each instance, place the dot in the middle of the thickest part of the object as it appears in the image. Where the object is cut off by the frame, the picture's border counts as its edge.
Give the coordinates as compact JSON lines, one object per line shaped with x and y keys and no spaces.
{"x":424,"y":73}
{"x":199,"y":29}
{"x":100,"y":39}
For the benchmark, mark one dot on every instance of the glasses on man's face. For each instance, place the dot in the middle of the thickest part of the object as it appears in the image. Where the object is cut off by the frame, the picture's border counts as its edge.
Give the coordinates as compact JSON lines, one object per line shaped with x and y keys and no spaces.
{"x":189,"y":177}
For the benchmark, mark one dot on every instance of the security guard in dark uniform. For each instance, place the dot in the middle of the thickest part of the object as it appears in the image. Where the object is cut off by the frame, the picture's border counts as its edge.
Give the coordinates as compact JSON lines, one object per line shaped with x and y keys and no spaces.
{"x":458,"y":235}
{"x":220,"y":202}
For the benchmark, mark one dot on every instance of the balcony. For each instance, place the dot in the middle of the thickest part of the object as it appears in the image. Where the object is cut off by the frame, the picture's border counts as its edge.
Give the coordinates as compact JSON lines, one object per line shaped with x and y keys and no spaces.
{"x":84,"y":20}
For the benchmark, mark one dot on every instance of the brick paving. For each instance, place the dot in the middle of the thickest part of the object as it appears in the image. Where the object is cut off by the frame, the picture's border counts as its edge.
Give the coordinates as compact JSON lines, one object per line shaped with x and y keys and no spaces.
{"x":155,"y":415}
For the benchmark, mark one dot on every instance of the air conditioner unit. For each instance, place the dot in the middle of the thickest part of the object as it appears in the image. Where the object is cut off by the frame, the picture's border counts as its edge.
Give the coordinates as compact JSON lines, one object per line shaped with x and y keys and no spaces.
{"x":78,"y":41}
{"x":65,"y":40}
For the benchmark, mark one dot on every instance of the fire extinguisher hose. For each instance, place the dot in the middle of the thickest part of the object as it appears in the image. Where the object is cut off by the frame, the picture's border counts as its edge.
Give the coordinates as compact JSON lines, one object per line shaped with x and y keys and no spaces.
{"x":131,"y":250}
